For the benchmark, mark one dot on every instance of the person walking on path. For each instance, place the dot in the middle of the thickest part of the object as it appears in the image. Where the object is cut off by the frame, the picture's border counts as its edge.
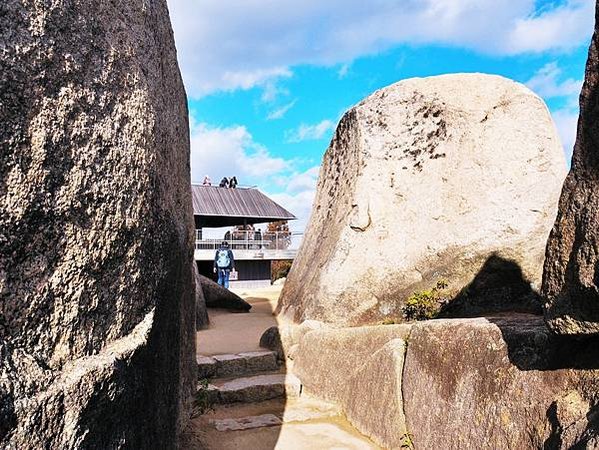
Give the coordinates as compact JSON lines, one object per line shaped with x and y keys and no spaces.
{"x":224,"y":263}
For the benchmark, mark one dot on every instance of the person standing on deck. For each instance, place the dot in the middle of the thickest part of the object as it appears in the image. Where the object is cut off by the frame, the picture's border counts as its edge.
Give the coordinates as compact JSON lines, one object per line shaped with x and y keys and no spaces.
{"x":224,"y":263}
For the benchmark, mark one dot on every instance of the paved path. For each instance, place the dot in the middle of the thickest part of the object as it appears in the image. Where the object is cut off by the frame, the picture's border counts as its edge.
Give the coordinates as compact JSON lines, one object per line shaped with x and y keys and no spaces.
{"x":239,"y":332}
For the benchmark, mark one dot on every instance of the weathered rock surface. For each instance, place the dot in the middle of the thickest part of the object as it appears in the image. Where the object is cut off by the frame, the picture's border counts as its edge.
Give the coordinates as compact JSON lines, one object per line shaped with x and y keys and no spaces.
{"x":281,"y":339}
{"x":328,"y":357}
{"x":571,"y":277}
{"x":426,"y":180}
{"x":217,"y":296}
{"x":202,"y":319}
{"x":96,"y":288}
{"x":373,"y":400}
{"x":360,"y":369}
{"x":504,"y":382}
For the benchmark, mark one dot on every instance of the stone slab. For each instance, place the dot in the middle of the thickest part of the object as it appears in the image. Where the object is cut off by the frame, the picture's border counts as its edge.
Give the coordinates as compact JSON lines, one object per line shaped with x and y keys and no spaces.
{"x":373,"y":402}
{"x":230,"y":365}
{"x":256,"y":388}
{"x":207,"y":366}
{"x":247,"y":423}
{"x":260,"y":361}
{"x":500,"y":382}
{"x":238,"y":365}
{"x":327,"y":358}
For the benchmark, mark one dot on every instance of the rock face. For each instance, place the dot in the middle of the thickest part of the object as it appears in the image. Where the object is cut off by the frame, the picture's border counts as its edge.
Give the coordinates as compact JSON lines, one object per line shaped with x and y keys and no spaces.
{"x":571,"y":276}
{"x":202,"y":319}
{"x":97,"y":314}
{"x":217,"y":296}
{"x":281,"y":339}
{"x":505,"y":382}
{"x":425,"y":180}
{"x":360,"y":369}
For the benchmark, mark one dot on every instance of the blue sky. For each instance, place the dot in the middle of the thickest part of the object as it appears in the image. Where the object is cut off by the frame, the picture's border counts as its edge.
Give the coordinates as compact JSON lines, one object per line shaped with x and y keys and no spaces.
{"x":267,"y":80}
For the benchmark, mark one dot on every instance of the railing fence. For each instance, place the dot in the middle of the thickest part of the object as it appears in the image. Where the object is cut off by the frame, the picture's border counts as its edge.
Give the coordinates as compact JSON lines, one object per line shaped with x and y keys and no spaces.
{"x":251,"y":240}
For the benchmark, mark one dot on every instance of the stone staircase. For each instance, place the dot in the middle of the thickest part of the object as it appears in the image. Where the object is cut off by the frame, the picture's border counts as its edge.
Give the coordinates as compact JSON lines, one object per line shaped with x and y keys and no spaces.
{"x":258,"y":405}
{"x":246,"y":378}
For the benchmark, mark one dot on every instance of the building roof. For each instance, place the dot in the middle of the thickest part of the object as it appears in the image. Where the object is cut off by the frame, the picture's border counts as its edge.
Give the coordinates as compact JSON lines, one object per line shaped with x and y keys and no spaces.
{"x":219,"y":207}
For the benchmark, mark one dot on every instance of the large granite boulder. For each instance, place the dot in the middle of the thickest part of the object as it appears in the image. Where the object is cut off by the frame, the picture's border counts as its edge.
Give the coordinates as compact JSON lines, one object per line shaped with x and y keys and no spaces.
{"x":426,"y":180}
{"x":202,"y":319}
{"x":571,"y":277}
{"x":217,"y":296}
{"x":502,"y":382}
{"x":97,"y":311}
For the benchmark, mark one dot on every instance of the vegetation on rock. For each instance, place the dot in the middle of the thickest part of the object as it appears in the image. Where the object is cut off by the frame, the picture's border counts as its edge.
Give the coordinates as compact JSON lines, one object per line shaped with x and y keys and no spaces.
{"x":424,"y":305}
{"x":202,"y":402}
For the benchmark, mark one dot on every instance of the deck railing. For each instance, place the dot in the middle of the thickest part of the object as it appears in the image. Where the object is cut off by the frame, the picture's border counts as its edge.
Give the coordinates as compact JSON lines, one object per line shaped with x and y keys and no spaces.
{"x":251,"y":240}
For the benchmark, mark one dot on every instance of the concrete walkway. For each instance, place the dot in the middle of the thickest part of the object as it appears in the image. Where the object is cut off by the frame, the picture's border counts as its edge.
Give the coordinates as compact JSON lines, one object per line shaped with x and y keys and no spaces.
{"x":256,"y":407}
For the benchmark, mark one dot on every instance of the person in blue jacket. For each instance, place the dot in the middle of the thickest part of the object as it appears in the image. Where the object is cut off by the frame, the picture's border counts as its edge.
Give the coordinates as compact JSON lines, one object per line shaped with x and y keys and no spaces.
{"x":224,"y":263}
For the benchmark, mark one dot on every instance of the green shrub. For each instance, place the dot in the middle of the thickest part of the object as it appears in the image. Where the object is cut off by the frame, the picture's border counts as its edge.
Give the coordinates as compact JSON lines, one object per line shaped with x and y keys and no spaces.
{"x":203,"y":400}
{"x":424,"y":305}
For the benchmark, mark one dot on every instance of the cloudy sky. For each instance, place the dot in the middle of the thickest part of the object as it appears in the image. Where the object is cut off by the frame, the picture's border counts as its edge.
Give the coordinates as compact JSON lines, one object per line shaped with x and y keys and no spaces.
{"x":268,"y":80}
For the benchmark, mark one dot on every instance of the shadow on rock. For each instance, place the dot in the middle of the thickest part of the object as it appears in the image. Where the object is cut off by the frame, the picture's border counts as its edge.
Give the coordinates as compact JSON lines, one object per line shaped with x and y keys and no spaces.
{"x":501,"y":293}
{"x":499,"y":286}
{"x":532,"y":346}
{"x":580,"y":434}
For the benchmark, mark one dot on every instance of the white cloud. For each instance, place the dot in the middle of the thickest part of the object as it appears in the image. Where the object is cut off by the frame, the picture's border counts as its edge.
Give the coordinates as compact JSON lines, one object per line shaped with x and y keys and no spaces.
{"x":279,"y":113}
{"x":299,"y":204}
{"x":309,"y":132}
{"x":272,"y":91}
{"x":343,"y":71}
{"x":548,"y":83}
{"x":299,"y":196}
{"x":239,"y":44}
{"x":560,"y":28}
{"x":220,"y":152}
{"x":249,"y":79}
{"x":545,"y":83}
{"x":305,"y":181}
{"x":566,"y":122}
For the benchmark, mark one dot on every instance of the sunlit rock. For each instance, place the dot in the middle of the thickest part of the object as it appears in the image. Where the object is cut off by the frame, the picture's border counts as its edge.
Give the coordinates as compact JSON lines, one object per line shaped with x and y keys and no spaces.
{"x":426,"y":180}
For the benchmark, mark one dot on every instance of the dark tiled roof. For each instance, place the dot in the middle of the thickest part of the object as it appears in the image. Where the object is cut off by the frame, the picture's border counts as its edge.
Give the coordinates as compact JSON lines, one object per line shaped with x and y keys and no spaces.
{"x":240,"y":202}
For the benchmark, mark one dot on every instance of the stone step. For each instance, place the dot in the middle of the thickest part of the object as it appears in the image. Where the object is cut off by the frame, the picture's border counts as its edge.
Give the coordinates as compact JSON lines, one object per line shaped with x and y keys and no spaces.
{"x":236,"y":365}
{"x":300,"y":409}
{"x":247,"y":423}
{"x":303,"y":423}
{"x":255,"y":388}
